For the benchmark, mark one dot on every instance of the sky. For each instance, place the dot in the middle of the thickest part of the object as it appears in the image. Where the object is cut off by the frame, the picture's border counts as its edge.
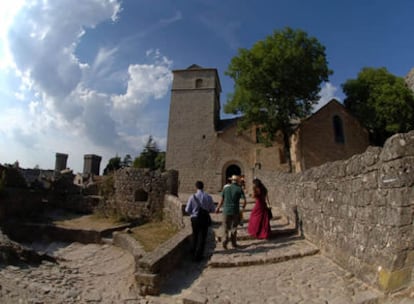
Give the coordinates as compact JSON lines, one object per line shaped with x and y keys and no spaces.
{"x":94,"y":76}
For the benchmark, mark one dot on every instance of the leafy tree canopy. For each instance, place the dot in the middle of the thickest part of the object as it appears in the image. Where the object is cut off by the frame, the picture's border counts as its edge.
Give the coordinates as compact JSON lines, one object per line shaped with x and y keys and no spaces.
{"x":381,"y":101}
{"x":113,"y":164}
{"x":277,"y":80}
{"x":127,"y":161}
{"x":148,"y":157}
{"x":160,"y":161}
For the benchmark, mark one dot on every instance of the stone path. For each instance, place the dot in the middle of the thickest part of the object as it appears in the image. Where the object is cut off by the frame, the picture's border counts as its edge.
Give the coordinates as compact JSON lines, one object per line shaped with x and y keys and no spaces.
{"x":285,"y":270}
{"x":312,"y":279}
{"x":85,"y":274}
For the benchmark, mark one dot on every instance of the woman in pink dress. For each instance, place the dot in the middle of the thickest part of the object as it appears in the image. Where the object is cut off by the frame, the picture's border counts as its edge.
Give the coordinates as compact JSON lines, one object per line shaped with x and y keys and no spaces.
{"x":259,"y":222}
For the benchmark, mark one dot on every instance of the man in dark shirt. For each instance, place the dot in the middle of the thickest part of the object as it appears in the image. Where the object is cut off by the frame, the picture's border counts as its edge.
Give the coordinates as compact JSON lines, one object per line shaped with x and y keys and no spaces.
{"x":230,"y":200}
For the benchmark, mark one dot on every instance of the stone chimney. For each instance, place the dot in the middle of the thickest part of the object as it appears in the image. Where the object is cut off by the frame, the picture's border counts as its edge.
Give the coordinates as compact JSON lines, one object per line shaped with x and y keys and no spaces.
{"x":60,"y":163}
{"x":91,"y":164}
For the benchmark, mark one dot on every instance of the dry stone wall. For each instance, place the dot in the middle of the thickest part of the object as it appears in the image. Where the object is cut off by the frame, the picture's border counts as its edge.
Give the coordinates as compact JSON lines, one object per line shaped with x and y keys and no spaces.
{"x":358,"y":211}
{"x":139,"y":193}
{"x":174,"y":210}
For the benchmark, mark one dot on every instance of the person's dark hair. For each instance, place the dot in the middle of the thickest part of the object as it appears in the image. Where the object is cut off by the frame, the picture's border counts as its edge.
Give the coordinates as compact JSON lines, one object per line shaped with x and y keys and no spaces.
{"x":199,"y":185}
{"x":258,"y":183}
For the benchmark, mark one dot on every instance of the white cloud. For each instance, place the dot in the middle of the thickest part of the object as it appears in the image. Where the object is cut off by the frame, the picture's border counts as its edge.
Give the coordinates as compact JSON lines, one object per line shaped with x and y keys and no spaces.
{"x":45,"y":35}
{"x":65,"y":107}
{"x":103,"y":61}
{"x":146,"y":81}
{"x":327,"y":93}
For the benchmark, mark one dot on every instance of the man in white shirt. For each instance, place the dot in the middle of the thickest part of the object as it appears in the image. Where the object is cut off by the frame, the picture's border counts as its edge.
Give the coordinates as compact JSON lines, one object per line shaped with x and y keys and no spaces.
{"x":199,"y":224}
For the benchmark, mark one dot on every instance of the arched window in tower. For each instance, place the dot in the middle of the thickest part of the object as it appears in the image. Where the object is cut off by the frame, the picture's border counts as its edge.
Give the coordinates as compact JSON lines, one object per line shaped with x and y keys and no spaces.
{"x":338,"y":129}
{"x":198,"y":83}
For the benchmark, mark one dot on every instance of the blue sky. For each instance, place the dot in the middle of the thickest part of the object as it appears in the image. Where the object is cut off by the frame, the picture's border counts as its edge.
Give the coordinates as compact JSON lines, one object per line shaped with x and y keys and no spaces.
{"x":94,"y":76}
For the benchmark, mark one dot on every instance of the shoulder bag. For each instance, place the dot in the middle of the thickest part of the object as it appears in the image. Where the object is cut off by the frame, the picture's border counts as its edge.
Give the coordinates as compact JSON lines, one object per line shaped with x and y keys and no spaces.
{"x":203,"y":215}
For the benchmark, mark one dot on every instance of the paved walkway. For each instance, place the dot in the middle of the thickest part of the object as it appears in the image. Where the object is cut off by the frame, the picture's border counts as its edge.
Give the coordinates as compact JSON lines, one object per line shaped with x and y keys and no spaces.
{"x":285,"y":270}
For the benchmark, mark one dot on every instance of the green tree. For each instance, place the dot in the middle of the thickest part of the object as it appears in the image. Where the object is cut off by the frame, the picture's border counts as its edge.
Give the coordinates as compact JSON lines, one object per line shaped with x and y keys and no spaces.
{"x":127,"y":161}
{"x":113,"y":164}
{"x":160,"y":161}
{"x":148,"y":155}
{"x":277,"y":80}
{"x":381,"y":101}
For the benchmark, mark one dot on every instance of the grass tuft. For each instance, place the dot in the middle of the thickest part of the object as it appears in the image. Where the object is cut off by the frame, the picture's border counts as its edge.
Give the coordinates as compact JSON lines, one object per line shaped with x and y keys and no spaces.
{"x":153,"y":234}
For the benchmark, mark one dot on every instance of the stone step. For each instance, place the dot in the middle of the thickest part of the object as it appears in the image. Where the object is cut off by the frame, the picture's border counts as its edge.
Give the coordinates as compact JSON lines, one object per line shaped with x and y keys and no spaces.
{"x":276,"y":231}
{"x":257,"y":252}
{"x":280,"y":226}
{"x":107,"y":240}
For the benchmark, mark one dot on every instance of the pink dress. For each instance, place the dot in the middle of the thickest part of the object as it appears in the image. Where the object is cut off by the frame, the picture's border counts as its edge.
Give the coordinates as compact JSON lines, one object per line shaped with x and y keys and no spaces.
{"x":259,"y":222}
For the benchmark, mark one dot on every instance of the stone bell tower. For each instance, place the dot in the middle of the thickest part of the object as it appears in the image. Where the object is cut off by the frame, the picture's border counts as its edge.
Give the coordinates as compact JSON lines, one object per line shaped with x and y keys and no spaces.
{"x":193,"y":121}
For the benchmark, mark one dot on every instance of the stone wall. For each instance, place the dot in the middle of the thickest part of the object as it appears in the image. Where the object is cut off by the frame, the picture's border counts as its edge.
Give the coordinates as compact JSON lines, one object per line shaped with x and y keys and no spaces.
{"x":173,"y":210}
{"x":316,"y":140}
{"x":358,"y":211}
{"x":21,"y":203}
{"x":153,"y":267}
{"x":139,"y":193}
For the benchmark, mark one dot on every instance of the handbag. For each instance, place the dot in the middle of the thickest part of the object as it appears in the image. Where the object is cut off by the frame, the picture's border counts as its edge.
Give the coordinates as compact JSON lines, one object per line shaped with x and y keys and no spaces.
{"x":269,"y":208}
{"x":203,"y":215}
{"x":269,"y":212}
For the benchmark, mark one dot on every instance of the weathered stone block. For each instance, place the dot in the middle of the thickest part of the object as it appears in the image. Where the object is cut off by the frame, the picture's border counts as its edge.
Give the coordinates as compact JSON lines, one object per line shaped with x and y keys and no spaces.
{"x":367,"y":297}
{"x":397,"y":173}
{"x":370,"y":180}
{"x":148,"y":283}
{"x":390,"y":281}
{"x":409,"y":262}
{"x":397,"y":146}
{"x":400,"y":197}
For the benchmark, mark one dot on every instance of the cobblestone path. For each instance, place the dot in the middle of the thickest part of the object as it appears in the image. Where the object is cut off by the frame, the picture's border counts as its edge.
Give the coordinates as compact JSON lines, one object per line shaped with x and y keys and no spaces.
{"x":85,"y":274}
{"x":284,"y":270}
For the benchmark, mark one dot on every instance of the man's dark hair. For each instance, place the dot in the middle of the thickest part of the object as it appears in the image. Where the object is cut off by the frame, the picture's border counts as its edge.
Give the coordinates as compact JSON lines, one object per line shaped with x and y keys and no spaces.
{"x":199,"y":185}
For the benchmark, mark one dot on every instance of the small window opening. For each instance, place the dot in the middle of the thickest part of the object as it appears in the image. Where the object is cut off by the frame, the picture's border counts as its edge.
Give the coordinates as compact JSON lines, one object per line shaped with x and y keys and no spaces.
{"x":199,"y":83}
{"x":338,"y":129}
{"x":141,"y":195}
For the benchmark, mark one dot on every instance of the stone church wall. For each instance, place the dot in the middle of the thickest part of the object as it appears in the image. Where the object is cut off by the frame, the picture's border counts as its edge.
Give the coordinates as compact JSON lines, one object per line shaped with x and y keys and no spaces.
{"x":317,"y":137}
{"x":358,"y":211}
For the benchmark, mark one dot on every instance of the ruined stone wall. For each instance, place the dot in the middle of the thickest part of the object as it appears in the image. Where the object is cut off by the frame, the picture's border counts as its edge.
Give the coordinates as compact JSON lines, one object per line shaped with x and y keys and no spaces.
{"x":358,"y":211}
{"x":139,"y":193}
{"x":21,"y":203}
{"x":173,"y":210}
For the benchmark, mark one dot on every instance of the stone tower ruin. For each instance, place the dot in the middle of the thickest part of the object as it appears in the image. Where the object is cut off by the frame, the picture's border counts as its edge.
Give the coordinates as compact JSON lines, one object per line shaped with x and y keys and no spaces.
{"x":91,"y":164}
{"x":60,"y":163}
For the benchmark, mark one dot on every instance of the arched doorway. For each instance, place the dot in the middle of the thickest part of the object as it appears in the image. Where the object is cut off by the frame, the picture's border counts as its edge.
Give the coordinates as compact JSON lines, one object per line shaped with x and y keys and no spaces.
{"x":232,"y":170}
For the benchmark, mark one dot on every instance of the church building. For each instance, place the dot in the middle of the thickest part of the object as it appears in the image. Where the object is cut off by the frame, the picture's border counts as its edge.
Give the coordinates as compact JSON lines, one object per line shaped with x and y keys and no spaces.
{"x":201,"y":146}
